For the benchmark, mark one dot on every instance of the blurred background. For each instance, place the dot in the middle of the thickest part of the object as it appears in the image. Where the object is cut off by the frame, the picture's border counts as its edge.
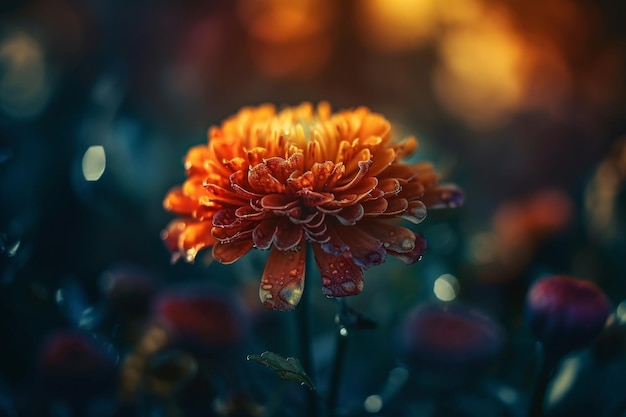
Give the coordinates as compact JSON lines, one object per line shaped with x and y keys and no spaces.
{"x":521,"y":103}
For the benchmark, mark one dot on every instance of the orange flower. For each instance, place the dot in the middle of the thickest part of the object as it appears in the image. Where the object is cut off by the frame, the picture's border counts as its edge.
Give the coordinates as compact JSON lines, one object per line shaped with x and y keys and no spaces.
{"x":276,"y":180}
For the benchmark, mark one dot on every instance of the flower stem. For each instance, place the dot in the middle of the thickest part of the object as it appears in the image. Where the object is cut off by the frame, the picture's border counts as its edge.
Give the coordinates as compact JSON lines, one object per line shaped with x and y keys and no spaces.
{"x":304,"y":329}
{"x":547,"y":368}
{"x":340,"y":353}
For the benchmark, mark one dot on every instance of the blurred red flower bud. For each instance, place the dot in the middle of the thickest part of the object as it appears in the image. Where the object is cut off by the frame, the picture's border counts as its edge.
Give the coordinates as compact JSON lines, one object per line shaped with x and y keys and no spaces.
{"x":565,"y":313}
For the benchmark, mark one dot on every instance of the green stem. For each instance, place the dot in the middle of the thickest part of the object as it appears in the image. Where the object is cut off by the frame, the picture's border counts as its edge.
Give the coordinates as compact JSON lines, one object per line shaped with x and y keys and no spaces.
{"x":340,"y":353}
{"x":304,"y":329}
{"x":547,"y":368}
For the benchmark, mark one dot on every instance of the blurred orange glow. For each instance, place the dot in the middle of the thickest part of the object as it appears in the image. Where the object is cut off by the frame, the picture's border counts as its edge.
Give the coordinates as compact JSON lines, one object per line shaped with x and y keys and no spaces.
{"x":24,"y":82}
{"x":289,"y":38}
{"x":601,"y":194}
{"x":518,"y":227}
{"x":480,"y":75}
{"x":396,"y":25}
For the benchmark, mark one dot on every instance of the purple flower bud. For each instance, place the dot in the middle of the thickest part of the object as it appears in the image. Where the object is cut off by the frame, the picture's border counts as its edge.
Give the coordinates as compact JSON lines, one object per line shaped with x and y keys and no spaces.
{"x":565,"y":313}
{"x":448,"y":339}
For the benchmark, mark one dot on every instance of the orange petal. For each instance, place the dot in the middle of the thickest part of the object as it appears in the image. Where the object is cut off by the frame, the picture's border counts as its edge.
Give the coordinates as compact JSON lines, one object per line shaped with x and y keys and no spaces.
{"x":374,"y":207}
{"x":278,"y":202}
{"x":227,"y":219}
{"x":366,"y":250}
{"x":288,"y":235}
{"x":227,"y":253}
{"x":261,"y":179}
{"x":350,"y":215}
{"x":322,"y":172}
{"x":234,"y":234}
{"x":282,"y":283}
{"x":381,"y":160}
{"x":394,"y":238}
{"x":264,"y":233}
{"x":390,"y":186}
{"x":350,"y":181}
{"x":193,"y":238}
{"x":341,"y":277}
{"x":196,"y":160}
{"x":396,"y":206}
{"x":170,"y":237}
{"x":218,"y":196}
{"x":179,"y":203}
{"x":411,"y":190}
{"x":314,"y":198}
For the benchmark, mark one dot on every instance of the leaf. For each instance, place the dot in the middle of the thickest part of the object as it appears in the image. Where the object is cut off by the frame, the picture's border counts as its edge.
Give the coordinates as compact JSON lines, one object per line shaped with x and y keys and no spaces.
{"x":288,"y":369}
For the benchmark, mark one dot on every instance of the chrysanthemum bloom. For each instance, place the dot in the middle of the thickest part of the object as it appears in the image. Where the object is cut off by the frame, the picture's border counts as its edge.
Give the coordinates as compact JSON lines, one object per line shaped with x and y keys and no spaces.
{"x":276,"y":180}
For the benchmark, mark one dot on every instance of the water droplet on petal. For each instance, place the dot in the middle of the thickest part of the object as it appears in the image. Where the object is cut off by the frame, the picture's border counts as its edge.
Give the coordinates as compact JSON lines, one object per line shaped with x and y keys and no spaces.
{"x":408,"y":244}
{"x":292,"y":292}
{"x":348,"y":286}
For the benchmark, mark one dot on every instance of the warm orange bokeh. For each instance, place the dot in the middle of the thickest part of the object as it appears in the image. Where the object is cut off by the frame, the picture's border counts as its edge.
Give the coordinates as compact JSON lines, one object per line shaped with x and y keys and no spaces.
{"x":276,"y":180}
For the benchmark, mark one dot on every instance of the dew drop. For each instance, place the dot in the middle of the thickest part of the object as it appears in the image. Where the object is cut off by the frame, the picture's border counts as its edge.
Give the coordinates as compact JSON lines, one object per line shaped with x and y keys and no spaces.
{"x":292,"y":292}
{"x":408,"y":244}
{"x":334,"y":272}
{"x":293,"y":272}
{"x":348,"y":286}
{"x":267,"y":287}
{"x":326,"y":281}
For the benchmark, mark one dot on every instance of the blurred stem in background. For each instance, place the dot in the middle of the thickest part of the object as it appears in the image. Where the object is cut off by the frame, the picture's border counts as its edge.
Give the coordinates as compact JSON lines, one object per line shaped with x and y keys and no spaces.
{"x":340,"y":353}
{"x":547,"y":367}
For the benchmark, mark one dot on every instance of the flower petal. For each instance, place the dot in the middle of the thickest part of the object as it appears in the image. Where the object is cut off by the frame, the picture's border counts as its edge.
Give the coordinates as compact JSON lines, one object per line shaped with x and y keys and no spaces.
{"x":179,"y":203}
{"x":394,"y":238}
{"x":264,"y":233}
{"x":396,"y":206}
{"x":374,"y":207}
{"x":185,"y":238}
{"x":227,"y":253}
{"x":350,"y":215}
{"x":282,"y":283}
{"x":196,"y":160}
{"x":170,"y":237}
{"x":389,"y":186}
{"x":346,"y":182}
{"x":382,"y":159}
{"x":226,"y":219}
{"x":278,"y":202}
{"x":341,"y":277}
{"x":335,"y":245}
{"x":366,"y":250}
{"x":288,"y":235}
{"x":261,"y":179}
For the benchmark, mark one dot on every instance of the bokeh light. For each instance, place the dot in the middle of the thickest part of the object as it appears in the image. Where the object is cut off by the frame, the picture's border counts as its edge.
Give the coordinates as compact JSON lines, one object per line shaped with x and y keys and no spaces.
{"x":94,"y":163}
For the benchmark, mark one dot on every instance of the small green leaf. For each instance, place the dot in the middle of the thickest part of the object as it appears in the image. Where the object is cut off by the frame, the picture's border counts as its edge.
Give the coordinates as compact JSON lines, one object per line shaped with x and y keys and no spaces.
{"x":288,"y":369}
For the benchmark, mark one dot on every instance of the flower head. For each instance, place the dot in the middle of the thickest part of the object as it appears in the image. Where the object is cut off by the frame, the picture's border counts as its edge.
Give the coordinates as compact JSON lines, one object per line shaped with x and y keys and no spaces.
{"x":277,"y":180}
{"x":566,"y":313}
